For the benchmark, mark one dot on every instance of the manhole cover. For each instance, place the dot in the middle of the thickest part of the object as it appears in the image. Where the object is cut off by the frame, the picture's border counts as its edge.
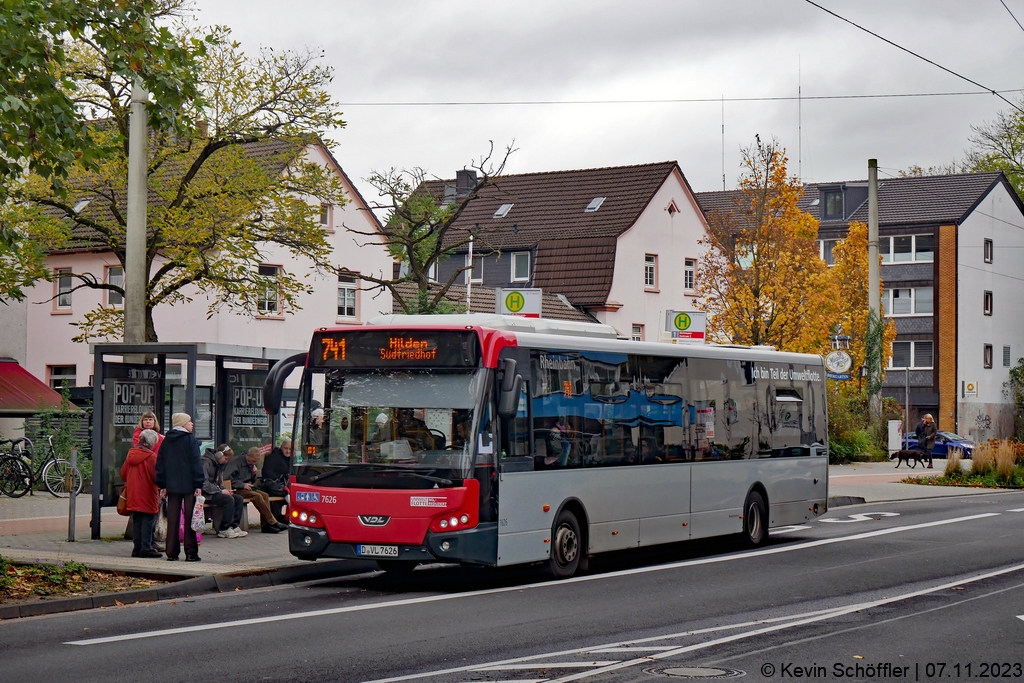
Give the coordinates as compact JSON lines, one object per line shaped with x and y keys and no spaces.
{"x":696,"y":672}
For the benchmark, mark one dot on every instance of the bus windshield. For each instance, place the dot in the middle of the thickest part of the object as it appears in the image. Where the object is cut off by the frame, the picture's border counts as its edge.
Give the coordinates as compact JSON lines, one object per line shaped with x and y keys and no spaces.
{"x":414,"y":421}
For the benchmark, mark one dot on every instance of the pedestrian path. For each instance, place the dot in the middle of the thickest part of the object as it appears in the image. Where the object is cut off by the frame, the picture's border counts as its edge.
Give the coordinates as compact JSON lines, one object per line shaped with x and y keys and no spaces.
{"x":880,"y":482}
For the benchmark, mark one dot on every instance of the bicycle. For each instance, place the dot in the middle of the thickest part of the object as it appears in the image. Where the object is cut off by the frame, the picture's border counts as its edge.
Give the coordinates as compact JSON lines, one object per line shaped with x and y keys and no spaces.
{"x":18,"y":476}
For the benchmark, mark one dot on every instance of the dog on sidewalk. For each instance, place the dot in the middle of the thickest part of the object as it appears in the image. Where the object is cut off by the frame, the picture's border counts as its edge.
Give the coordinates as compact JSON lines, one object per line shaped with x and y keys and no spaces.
{"x":908,"y":456}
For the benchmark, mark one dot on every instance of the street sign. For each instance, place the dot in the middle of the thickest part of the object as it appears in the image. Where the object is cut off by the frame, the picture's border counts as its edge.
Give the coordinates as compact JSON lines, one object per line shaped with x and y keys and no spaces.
{"x":837,"y":365}
{"x":525,"y":303}
{"x":686,"y":327}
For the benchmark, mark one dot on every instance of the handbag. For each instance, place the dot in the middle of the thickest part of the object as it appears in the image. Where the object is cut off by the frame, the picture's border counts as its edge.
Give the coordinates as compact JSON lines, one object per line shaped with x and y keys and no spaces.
{"x":198,"y":516}
{"x":273,"y":487}
{"x":160,"y":530}
{"x":122,"y":501}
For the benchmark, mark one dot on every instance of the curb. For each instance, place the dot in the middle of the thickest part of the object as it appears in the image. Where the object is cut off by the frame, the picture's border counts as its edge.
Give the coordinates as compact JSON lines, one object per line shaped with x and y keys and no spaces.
{"x":839,"y":501}
{"x":220,"y":583}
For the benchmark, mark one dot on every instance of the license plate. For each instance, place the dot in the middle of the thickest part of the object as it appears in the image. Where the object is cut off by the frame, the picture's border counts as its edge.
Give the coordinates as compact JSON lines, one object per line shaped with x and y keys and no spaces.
{"x":377,"y":550}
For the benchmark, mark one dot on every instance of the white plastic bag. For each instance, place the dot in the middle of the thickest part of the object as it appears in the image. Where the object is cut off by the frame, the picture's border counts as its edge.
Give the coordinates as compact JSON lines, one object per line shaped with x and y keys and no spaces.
{"x":198,"y":516}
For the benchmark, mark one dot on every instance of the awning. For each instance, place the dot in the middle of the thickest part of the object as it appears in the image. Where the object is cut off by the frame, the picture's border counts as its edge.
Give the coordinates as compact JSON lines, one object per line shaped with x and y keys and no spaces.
{"x":21,"y":394}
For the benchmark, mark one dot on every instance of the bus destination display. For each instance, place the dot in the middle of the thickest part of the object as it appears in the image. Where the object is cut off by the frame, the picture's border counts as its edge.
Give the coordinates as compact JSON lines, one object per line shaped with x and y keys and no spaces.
{"x":386,"y":348}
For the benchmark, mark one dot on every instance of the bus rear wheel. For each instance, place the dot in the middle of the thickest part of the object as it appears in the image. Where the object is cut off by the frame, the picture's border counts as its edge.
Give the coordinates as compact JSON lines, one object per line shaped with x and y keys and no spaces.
{"x":565,"y":546}
{"x":755,"y":520}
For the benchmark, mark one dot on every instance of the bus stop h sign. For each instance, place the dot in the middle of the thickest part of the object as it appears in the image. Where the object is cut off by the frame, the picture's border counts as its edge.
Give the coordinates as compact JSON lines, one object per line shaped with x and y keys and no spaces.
{"x":525,"y":303}
{"x":686,"y":326}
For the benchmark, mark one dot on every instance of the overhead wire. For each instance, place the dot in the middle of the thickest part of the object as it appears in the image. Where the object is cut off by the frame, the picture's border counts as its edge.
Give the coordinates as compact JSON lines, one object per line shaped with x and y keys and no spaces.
{"x":1011,"y":14}
{"x":911,"y":52}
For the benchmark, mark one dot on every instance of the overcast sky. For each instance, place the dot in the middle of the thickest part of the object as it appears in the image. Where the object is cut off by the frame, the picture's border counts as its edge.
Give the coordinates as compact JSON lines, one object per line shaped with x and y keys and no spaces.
{"x":388,"y":51}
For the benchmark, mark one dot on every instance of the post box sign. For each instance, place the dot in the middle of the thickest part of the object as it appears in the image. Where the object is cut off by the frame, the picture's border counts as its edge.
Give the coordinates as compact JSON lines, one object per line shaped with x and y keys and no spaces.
{"x":525,"y":303}
{"x":248,"y":422}
{"x":686,"y":327}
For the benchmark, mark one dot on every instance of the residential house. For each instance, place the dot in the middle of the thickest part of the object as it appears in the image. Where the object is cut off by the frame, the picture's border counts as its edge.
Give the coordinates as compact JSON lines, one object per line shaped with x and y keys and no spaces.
{"x":619,"y":243}
{"x":53,"y":307}
{"x":950,"y":246}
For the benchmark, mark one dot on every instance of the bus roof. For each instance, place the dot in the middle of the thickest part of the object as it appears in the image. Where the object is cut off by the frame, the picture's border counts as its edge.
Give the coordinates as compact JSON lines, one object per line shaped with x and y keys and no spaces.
{"x":542,"y":332}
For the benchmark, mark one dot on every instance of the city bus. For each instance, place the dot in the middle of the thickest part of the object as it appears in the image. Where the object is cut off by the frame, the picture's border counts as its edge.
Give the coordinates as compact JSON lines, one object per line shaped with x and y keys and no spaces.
{"x":494,"y":440}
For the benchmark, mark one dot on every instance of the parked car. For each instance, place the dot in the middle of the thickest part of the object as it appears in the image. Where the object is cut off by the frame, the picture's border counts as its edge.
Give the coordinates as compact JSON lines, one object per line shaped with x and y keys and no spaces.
{"x":943,"y":442}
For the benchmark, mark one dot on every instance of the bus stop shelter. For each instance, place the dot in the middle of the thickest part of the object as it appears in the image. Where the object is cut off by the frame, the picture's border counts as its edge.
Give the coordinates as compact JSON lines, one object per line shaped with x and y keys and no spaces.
{"x":226,"y":406}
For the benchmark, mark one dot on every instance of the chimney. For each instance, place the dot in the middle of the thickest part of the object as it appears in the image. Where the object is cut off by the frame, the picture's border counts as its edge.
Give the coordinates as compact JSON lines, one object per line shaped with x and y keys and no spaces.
{"x":464,"y":182}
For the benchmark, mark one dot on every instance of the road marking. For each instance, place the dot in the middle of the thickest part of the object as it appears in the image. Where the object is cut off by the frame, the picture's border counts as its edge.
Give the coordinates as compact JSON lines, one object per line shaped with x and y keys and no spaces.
{"x":1016,"y":510}
{"x":762,"y":626}
{"x":860,"y":517}
{"x":787,"y":529}
{"x":195,"y":628}
{"x":616,"y":650}
{"x":544,"y":665}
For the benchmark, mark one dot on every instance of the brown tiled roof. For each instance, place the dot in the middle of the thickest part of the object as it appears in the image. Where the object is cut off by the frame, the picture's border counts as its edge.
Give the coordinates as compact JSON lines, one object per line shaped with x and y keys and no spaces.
{"x":931,"y":200}
{"x":551,"y":205}
{"x":273,"y":155}
{"x":483,"y":302}
{"x":581,"y":269}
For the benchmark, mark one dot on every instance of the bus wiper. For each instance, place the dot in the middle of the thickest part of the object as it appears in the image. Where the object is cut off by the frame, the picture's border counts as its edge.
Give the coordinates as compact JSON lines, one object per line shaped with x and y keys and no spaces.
{"x":326,"y":475}
{"x":436,"y":480}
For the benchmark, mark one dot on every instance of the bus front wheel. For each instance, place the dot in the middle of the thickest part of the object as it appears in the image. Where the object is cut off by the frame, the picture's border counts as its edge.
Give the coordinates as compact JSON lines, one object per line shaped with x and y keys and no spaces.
{"x":755,"y":520}
{"x":565,"y":546}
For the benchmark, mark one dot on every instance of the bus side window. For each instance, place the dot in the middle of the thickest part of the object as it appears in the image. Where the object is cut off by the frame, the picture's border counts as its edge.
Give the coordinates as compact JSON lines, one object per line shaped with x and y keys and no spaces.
{"x":515,"y":438}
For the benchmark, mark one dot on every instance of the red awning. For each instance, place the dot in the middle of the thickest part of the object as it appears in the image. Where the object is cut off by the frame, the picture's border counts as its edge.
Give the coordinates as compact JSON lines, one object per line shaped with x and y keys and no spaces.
{"x":21,"y":394}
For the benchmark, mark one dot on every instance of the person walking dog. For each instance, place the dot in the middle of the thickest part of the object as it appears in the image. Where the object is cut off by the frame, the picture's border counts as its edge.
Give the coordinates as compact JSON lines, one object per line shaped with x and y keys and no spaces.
{"x":179,"y":474}
{"x":926,"y":431}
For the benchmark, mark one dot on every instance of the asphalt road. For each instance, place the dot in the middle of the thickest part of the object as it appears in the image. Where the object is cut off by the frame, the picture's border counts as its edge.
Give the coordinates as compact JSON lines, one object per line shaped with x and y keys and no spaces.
{"x":929,"y":590}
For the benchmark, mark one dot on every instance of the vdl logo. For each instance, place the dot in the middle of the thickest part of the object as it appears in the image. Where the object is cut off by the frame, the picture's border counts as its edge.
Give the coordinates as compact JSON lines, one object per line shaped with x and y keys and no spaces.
{"x":374,"y":520}
{"x":515,"y":301}
{"x":682,"y":321}
{"x":307,"y":496}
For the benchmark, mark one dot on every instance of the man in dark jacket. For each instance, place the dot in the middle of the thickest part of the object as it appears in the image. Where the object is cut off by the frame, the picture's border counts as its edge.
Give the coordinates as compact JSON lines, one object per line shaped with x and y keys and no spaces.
{"x":242,"y":472}
{"x":179,"y":474}
{"x":218,"y":496}
{"x":926,"y":431}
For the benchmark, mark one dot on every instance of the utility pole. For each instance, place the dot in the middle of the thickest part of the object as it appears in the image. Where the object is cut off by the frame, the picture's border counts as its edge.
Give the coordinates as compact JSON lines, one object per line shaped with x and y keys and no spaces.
{"x":874,"y":296}
{"x":135,"y":275}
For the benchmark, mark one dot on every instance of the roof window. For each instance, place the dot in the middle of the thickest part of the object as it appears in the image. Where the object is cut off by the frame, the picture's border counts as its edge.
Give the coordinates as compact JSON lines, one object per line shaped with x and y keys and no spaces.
{"x":594,"y":204}
{"x":503,"y":210}
{"x":80,"y":205}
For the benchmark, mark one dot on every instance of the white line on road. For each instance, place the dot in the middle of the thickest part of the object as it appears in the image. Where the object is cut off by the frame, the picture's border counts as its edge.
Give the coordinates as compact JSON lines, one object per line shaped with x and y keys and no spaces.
{"x":508,"y":589}
{"x":542,"y":665}
{"x":788,"y":529}
{"x":1016,"y":510}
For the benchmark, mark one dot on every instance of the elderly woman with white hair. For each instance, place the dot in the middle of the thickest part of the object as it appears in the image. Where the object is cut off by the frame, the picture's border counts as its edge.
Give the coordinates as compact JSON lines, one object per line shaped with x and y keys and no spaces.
{"x":139,"y":475}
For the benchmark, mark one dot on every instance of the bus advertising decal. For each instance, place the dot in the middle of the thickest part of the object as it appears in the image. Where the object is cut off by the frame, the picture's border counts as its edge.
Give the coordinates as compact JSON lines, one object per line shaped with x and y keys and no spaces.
{"x":428,"y":502}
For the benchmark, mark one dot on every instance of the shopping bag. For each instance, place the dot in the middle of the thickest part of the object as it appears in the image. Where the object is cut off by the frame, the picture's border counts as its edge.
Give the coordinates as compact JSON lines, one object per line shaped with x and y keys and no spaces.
{"x":198,"y":517}
{"x":122,"y":501}
{"x":160,"y":530}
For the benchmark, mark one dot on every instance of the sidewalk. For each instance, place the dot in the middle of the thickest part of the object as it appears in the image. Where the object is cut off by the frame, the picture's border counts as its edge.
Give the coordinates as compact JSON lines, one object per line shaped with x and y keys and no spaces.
{"x":35,"y":528}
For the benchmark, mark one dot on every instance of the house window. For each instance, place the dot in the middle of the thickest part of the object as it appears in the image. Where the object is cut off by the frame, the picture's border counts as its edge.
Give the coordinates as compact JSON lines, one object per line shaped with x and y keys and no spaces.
{"x":987,"y":305}
{"x":521,"y":266}
{"x":826,"y":247}
{"x":906,"y":354}
{"x":834,"y":204}
{"x":1006,"y":356}
{"x":115,"y":276}
{"x":594,"y":205}
{"x":60,"y":374}
{"x":325,"y":215}
{"x":917,"y":301}
{"x":988,"y":251}
{"x":906,"y":248}
{"x":650,"y":271}
{"x":987,"y":355}
{"x":689,"y":273}
{"x":503,"y":210}
{"x":477,"y":270}
{"x":638,"y":333}
{"x":64,"y":287}
{"x":432,"y":272}
{"x":347,"y":288}
{"x":672,"y":208}
{"x":268,"y":303}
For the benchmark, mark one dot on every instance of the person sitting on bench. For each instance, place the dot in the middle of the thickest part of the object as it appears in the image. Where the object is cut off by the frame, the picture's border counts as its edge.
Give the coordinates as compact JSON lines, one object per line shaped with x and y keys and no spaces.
{"x":220,"y":497}
{"x":241,"y":470}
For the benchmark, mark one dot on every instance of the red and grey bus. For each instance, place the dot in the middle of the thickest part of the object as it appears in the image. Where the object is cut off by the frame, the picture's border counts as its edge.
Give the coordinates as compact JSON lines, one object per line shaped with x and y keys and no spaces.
{"x":493,"y":440}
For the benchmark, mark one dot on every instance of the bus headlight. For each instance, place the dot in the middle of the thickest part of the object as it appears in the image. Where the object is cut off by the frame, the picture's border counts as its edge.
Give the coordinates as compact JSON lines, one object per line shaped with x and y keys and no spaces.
{"x":464,"y":519}
{"x":453,"y":521}
{"x":444,"y":523}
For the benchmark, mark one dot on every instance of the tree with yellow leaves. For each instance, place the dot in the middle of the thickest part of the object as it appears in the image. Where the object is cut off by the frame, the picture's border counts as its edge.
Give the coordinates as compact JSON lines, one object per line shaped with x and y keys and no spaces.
{"x":762,"y":281}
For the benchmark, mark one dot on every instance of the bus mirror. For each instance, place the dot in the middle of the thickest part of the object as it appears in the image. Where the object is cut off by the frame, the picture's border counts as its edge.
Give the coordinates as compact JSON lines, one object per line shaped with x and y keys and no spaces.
{"x":273,"y":387}
{"x":511,"y":386}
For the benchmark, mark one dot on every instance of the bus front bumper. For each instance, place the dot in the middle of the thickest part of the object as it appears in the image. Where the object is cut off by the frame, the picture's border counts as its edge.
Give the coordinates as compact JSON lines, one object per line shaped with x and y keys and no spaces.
{"x":473,"y":546}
